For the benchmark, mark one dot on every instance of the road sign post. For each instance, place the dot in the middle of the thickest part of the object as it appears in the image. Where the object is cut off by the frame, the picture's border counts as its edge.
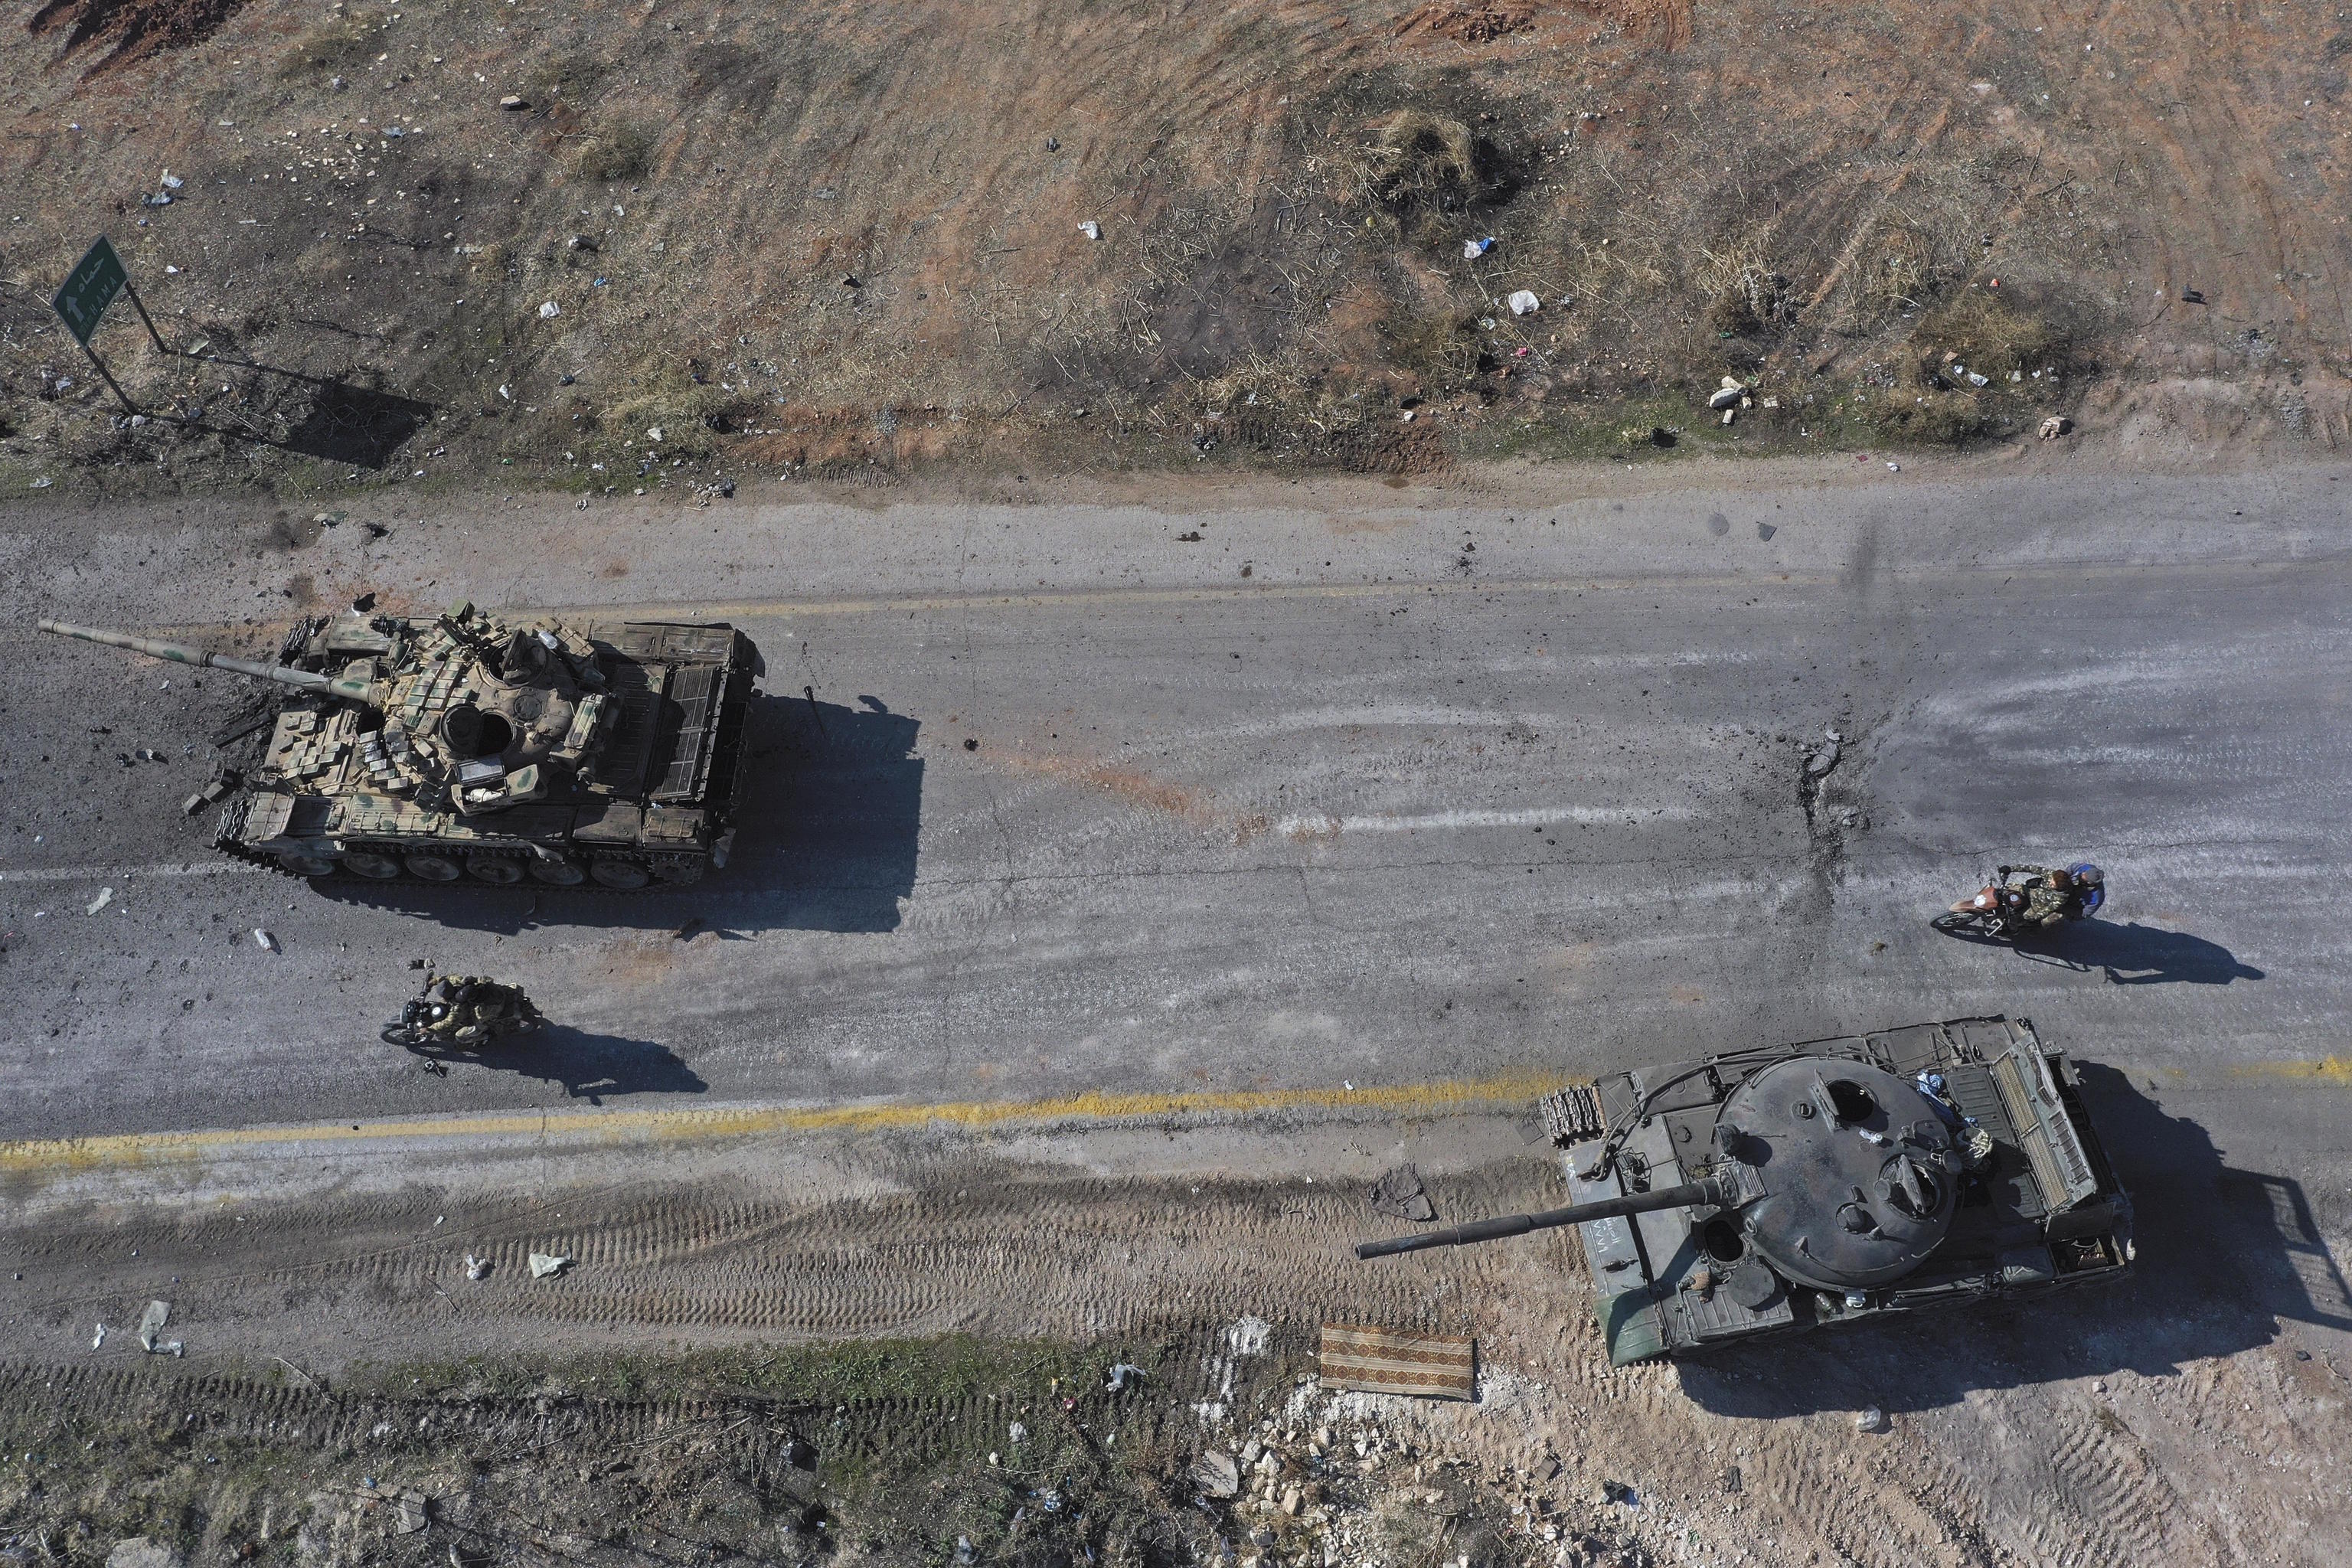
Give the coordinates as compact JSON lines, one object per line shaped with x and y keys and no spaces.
{"x":88,"y":290}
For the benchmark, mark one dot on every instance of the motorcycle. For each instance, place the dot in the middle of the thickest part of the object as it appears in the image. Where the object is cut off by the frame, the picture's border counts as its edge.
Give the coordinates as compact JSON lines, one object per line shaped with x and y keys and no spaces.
{"x":428,"y":1021}
{"x":1999,"y":909}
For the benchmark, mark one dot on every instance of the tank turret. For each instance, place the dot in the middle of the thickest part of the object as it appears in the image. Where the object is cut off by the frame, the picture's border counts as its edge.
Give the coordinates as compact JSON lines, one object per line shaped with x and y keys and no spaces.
{"x":1765,"y":1190}
{"x":466,"y":744}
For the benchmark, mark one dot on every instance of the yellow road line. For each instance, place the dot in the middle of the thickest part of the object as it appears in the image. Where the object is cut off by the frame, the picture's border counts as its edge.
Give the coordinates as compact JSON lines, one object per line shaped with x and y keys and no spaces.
{"x":779,"y":609}
{"x":132,"y":1149}
{"x":1813,"y":577}
{"x":2336,"y":1070}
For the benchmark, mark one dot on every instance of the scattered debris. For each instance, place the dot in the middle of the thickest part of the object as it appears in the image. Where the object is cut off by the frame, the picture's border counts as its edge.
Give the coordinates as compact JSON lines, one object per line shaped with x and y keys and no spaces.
{"x":1523,"y":303}
{"x":1389,"y":1361}
{"x":514,"y":103}
{"x":1620,"y":1493}
{"x":151,"y":1327}
{"x":543,"y":1264}
{"x":1818,"y":763}
{"x":581,"y":242}
{"x":264,"y":941}
{"x":1249,"y":1335}
{"x":1401,"y":1193}
{"x":1870,"y":1418}
{"x":1730,"y":394}
{"x":364,"y":603}
{"x":1121,"y":1374}
{"x":2192,"y":297}
{"x":1016,"y":1434}
{"x":1091,"y":229}
{"x":98,"y":1341}
{"x":477,"y":1268}
{"x":1472,"y":249}
{"x":1216,"y":1475}
{"x":549,"y":308}
{"x":2057,"y":424}
{"x":105,"y":897}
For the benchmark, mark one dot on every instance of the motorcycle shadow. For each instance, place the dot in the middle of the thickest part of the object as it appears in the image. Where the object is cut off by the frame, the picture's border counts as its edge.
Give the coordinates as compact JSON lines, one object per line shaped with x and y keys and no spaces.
{"x":588,"y":1066}
{"x":2136,"y":954}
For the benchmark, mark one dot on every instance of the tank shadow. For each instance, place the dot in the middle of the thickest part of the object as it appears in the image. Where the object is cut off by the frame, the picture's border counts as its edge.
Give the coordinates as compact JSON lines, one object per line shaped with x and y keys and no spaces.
{"x":826,"y":839}
{"x":589,"y":1067}
{"x":2135,"y":954}
{"x":2225,"y":1259}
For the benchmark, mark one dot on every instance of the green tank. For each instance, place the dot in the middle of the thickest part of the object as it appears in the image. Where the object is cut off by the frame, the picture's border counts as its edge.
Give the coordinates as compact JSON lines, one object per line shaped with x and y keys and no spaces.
{"x":1776,"y":1189}
{"x":495,"y":747}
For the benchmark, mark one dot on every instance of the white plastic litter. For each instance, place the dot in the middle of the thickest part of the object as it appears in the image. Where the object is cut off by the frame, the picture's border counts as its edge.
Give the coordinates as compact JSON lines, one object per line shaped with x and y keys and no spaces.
{"x":543,"y":1264}
{"x":1523,"y":303}
{"x":264,"y":941}
{"x":549,"y":308}
{"x":105,"y":897}
{"x":1091,"y":229}
{"x":1472,"y":249}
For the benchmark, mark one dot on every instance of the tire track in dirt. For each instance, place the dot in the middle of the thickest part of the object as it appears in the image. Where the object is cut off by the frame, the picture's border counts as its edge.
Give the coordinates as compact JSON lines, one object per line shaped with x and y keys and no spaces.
{"x":993,"y":1250}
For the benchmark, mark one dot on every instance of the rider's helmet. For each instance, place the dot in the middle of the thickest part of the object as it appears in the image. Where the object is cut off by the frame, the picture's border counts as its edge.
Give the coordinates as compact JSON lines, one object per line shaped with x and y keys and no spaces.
{"x":2092,"y":882}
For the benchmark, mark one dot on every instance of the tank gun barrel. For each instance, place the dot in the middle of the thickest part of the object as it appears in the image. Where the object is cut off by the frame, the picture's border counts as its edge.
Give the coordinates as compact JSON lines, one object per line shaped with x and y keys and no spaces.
{"x":181,"y":653}
{"x":1502,"y":1226}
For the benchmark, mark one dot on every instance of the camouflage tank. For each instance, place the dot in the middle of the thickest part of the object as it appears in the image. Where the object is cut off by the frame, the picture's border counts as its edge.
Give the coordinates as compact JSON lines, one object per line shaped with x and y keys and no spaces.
{"x":1768,"y":1190}
{"x":496,"y":747}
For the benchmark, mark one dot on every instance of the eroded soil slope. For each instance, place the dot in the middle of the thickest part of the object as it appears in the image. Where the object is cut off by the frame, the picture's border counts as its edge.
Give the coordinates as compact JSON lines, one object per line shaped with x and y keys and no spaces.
{"x":846,"y":238}
{"x":2114,"y":1428}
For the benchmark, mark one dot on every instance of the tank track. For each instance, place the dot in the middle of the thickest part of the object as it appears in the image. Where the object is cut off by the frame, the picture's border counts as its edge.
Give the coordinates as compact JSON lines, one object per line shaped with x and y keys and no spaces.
{"x":1572,"y":1115}
{"x":226,"y":840}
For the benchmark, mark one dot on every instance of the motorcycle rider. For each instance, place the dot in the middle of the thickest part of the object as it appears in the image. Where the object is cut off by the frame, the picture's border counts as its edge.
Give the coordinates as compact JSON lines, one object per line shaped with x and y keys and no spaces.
{"x":2058,"y":893}
{"x":467,"y":1008}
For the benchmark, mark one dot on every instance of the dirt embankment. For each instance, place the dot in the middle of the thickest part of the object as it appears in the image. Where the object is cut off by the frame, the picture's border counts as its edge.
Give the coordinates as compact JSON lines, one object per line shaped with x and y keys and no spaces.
{"x":847,"y":241}
{"x":676,"y":1386}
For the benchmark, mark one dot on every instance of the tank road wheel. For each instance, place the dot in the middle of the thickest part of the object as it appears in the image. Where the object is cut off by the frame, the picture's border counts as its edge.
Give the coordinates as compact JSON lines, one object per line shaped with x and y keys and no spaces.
{"x":558,"y":873}
{"x":309,"y":864}
{"x":369,"y":864}
{"x":435,"y":867}
{"x":623,"y":876}
{"x":495,"y":870}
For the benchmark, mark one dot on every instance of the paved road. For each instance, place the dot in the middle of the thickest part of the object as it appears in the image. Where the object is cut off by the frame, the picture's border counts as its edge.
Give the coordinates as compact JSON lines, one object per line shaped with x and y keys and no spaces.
{"x":1363,"y":786}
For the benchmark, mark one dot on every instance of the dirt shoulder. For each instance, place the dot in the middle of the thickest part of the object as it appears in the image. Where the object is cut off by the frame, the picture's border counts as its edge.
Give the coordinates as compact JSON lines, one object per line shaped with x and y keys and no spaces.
{"x":699,"y":242}
{"x":744,"y":1351}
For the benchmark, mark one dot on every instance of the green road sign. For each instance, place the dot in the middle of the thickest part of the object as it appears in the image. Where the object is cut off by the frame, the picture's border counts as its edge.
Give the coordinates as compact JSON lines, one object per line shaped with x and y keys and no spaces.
{"x":90,"y":288}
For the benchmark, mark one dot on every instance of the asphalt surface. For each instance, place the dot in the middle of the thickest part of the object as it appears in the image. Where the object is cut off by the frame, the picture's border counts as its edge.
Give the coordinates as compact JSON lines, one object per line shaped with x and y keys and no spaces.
{"x":1364,"y":786}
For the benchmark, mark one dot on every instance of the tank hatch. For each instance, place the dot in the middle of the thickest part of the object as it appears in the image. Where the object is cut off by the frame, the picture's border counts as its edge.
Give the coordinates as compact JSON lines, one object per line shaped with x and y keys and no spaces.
{"x":1858,"y":1174}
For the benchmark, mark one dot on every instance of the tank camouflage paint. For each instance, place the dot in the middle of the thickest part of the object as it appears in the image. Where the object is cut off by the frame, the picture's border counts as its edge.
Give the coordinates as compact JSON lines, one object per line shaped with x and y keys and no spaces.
{"x":497,"y":747}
